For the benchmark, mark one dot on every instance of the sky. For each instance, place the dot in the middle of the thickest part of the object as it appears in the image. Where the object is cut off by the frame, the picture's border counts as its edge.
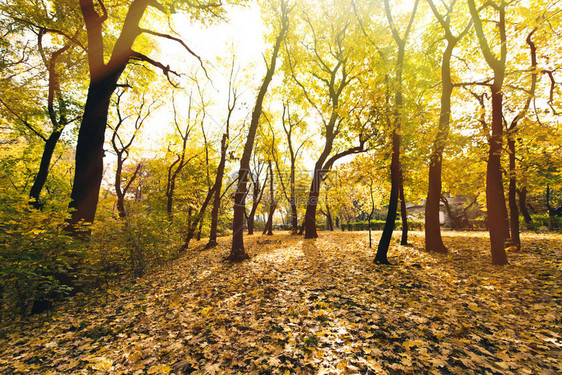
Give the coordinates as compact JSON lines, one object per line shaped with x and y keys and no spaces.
{"x":243,"y":33}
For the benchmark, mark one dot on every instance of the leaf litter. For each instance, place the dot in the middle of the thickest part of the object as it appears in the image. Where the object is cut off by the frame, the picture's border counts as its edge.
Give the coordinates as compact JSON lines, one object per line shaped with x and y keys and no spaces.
{"x":312,"y":307}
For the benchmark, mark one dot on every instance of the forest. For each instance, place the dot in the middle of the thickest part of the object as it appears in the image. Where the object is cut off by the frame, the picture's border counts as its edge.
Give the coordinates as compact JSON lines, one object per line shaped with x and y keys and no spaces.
{"x":280,"y":186}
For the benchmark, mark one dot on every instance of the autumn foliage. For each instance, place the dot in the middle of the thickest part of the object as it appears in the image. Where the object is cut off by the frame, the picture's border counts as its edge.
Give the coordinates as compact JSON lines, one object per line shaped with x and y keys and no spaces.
{"x":305,"y":307}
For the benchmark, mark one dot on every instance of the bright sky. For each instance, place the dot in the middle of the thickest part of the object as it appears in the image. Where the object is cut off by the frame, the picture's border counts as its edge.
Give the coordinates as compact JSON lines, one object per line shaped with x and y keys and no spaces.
{"x":243,"y":33}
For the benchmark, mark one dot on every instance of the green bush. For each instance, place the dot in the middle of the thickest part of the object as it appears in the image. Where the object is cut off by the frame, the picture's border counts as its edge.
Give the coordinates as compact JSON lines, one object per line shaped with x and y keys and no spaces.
{"x":379,"y":225}
{"x":544,"y":222}
{"x":38,"y":260}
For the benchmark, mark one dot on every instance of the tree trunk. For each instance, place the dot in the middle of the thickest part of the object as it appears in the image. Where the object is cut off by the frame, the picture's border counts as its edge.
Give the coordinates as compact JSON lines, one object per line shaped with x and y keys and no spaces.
{"x":217,"y":200}
{"x":89,"y":151}
{"x":395,"y":167}
{"x":294,"y":217}
{"x":403,"y":214}
{"x":118,"y":191}
{"x":43,"y":172}
{"x":433,"y":240}
{"x":329,"y":220}
{"x":311,"y":204}
{"x":513,"y":211}
{"x":250,"y":222}
{"x":268,"y":230}
{"x":198,"y":219}
{"x":523,"y":205}
{"x":495,"y":198}
{"x":237,"y":253}
{"x":382,"y":250}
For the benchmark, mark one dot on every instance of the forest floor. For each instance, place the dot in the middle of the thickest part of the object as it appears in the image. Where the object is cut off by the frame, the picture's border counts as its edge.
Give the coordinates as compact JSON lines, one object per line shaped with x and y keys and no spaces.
{"x":312,"y":307}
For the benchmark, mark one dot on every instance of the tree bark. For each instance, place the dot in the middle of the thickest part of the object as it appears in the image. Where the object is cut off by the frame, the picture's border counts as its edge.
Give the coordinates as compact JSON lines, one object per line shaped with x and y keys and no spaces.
{"x":433,"y":239}
{"x":103,"y":82}
{"x":523,"y":205}
{"x":382,"y":250}
{"x":512,"y":194}
{"x":237,"y":253}
{"x":217,"y":197}
{"x":395,"y":167}
{"x":89,"y":150}
{"x":57,"y":124}
{"x":403,"y":214}
{"x":329,"y":220}
{"x":269,"y":225}
{"x":43,"y":171}
{"x":495,"y":199}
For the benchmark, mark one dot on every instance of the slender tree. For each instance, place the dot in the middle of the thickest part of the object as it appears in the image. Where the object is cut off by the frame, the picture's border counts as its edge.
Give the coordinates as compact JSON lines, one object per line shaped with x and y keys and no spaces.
{"x":182,"y":159}
{"x":332,"y":72}
{"x":257,"y":192}
{"x":495,"y":198}
{"x":272,"y":203}
{"x":290,"y":124}
{"x":122,"y":147}
{"x":433,"y":240}
{"x":511,"y":147}
{"x":237,"y":253}
{"x":395,"y":168}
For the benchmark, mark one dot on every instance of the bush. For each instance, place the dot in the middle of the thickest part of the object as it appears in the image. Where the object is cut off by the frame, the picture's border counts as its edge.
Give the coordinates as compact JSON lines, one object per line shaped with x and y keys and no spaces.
{"x":38,"y":260}
{"x":544,"y":222}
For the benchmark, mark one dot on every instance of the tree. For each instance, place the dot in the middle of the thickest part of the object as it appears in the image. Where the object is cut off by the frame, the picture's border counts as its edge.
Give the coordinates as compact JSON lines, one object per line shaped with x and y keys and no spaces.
{"x":257,"y":191}
{"x":395,"y":168}
{"x":122,"y":147}
{"x":325,"y":83}
{"x":182,"y":159}
{"x":238,"y":253}
{"x":272,"y":203}
{"x":290,"y":126}
{"x":433,"y":240}
{"x":62,"y":28}
{"x":495,"y":198}
{"x":233,"y":97}
{"x":104,"y":79}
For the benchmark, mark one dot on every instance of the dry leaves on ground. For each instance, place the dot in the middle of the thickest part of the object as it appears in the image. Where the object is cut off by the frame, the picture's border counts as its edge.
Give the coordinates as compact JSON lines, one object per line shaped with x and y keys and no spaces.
{"x":312,"y":307}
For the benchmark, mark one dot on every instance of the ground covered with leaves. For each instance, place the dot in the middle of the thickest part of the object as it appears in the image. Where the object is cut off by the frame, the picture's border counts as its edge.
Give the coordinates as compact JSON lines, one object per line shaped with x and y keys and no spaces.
{"x":312,"y":307}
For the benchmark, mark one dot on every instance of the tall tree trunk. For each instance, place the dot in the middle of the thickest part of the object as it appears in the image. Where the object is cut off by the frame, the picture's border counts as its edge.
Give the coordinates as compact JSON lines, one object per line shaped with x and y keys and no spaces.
{"x":523,"y":205}
{"x":57,"y":124}
{"x":312,"y":202}
{"x":498,"y":224}
{"x":237,"y":253}
{"x":88,"y":171}
{"x":433,"y":240}
{"x":395,"y":167}
{"x":198,"y":219}
{"x":118,"y":191}
{"x":269,"y":225}
{"x":103,"y":82}
{"x":403,"y":213}
{"x":495,"y":199}
{"x":513,"y":210}
{"x":43,"y":172}
{"x":250,"y":223}
{"x":329,"y":220}
{"x":217,"y":198}
{"x":294,"y":216}
{"x":384,"y":243}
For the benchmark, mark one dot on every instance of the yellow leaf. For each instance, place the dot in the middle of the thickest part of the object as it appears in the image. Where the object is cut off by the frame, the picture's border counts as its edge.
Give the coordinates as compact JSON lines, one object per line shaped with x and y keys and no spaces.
{"x":159,"y":369}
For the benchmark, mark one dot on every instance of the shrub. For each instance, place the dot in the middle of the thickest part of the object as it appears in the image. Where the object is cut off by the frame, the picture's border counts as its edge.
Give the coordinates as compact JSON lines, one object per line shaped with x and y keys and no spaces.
{"x":38,"y":260}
